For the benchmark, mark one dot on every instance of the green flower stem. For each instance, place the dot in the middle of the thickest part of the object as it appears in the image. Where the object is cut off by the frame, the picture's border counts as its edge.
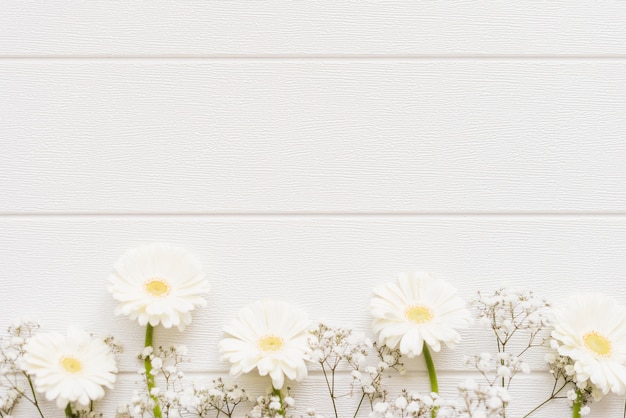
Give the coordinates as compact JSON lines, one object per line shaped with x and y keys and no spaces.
{"x":277,"y":392}
{"x":432,"y":374}
{"x":68,"y":411}
{"x":578,"y":403}
{"x":149,"y":376}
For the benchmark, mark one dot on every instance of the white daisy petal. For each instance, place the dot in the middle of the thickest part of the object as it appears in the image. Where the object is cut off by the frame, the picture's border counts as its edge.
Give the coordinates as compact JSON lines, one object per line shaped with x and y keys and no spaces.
{"x":158,"y":284}
{"x":415,"y":309}
{"x":69,"y":369}
{"x":590,"y":330}
{"x":269,"y":336}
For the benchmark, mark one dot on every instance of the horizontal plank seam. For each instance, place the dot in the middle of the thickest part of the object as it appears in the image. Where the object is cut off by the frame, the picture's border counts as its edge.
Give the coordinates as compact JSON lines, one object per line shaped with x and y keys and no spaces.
{"x":313,"y":57}
{"x":308,"y":214}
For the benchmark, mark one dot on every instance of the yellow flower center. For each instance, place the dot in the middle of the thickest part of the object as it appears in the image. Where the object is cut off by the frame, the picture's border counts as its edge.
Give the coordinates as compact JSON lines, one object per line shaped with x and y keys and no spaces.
{"x":418,"y":314}
{"x":71,"y":365}
{"x":270,"y":343}
{"x":157,"y":287}
{"x":597,"y":343}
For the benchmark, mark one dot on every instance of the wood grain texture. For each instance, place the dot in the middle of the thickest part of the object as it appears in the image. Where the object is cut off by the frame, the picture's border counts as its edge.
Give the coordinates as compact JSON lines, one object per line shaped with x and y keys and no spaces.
{"x":312,"y":136}
{"x":201,"y":28}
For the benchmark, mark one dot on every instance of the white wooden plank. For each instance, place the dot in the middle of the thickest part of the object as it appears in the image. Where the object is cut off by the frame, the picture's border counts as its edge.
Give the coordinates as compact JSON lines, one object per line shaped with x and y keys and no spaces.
{"x":527,"y":391}
{"x":57,"y":269}
{"x":315,"y":136}
{"x":201,"y":28}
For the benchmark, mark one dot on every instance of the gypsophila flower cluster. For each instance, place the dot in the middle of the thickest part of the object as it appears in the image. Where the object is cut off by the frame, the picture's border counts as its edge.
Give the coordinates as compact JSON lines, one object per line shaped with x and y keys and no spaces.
{"x":370,"y":378}
{"x":8,"y":400}
{"x":165,"y":363}
{"x":114,"y":345}
{"x":140,"y":406}
{"x":479,"y":401}
{"x":496,"y":367}
{"x":508,"y":311}
{"x":406,"y":405}
{"x":564,"y":373}
{"x":12,"y":378}
{"x":330,"y":346}
{"x":311,"y":413}
{"x":213,"y":400}
{"x":271,"y":406}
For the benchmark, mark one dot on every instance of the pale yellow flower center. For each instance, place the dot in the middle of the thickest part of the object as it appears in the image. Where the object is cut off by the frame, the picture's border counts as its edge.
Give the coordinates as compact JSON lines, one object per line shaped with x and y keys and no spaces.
{"x":418,"y":314}
{"x":71,"y":364}
{"x":270,"y":343}
{"x":597,"y":343}
{"x":157,"y":287}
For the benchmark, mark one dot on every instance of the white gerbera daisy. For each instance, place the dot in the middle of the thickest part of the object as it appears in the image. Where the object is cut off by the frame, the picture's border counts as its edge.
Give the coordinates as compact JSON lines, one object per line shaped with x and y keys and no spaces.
{"x":591,"y":330}
{"x":270,"y":336}
{"x":415,"y":309}
{"x":72,"y":368}
{"x":158,"y":283}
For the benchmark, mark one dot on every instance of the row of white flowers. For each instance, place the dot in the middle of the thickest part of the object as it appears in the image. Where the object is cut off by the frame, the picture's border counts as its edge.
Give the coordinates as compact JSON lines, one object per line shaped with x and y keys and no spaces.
{"x":161,"y":284}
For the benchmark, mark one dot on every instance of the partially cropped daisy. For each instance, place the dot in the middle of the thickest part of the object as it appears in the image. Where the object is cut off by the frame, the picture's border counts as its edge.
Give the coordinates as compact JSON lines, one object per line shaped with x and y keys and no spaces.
{"x":415,"y":309}
{"x":269,"y":336}
{"x":590,"y":329}
{"x":72,"y":368}
{"x":158,"y":284}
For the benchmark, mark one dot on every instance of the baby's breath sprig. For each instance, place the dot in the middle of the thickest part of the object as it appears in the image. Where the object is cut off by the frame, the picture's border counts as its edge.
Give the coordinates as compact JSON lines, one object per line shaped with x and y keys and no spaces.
{"x":581,"y":393}
{"x":163,"y":365}
{"x":12,"y":377}
{"x":486,"y":401}
{"x":407,"y":405}
{"x":370,"y":378}
{"x":496,"y":368}
{"x":272,"y":406}
{"x":337,"y":347}
{"x":218,"y":398}
{"x":334,"y":346}
{"x":508,"y":313}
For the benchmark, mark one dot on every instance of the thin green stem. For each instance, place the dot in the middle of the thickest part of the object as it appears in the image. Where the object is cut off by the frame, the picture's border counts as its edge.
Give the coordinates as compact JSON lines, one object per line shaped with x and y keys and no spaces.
{"x":149,"y":376}
{"x":578,"y":403}
{"x":331,"y":388}
{"x":32,"y":389}
{"x":277,"y":392}
{"x":552,"y":396}
{"x":432,"y":374}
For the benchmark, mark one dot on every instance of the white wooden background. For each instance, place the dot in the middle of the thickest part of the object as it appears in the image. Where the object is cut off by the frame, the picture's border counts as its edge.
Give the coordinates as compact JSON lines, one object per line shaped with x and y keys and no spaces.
{"x":307,"y":151}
